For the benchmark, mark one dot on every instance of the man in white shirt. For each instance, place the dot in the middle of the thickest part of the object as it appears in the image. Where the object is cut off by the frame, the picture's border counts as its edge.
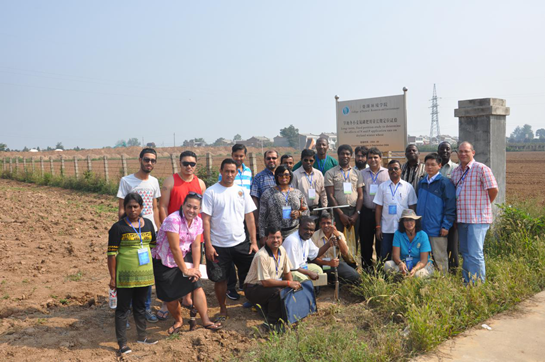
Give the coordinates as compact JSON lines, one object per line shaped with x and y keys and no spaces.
{"x":146,"y":186}
{"x":225,"y":207}
{"x":392,"y":198}
{"x":300,"y":250}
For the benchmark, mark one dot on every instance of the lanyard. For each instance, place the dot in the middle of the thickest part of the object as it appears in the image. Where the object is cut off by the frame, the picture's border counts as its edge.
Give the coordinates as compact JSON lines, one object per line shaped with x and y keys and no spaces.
{"x":462,"y":178}
{"x":346,"y":176}
{"x":139,"y":232}
{"x":394,"y":191}
{"x":411,"y":244}
{"x":321,"y":165}
{"x":309,"y":178}
{"x":276,"y":261}
{"x":374,"y":179}
{"x":287,"y":195}
{"x":303,"y":251}
{"x":240,"y":173}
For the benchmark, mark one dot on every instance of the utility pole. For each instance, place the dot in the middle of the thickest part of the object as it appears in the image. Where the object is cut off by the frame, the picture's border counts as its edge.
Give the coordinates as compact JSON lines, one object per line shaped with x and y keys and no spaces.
{"x":174,"y":139}
{"x":434,"y":129}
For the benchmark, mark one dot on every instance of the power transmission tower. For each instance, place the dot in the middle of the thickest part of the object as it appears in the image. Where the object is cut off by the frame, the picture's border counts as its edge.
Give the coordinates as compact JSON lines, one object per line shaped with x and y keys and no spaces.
{"x":434,"y":129}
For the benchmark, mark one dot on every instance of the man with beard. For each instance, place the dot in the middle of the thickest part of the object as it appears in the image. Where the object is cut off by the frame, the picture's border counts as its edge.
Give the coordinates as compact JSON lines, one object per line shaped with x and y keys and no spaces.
{"x":323,"y":162}
{"x":146,"y":186}
{"x":413,"y":170}
{"x":288,"y":161}
{"x":360,"y":153}
{"x":264,"y":180}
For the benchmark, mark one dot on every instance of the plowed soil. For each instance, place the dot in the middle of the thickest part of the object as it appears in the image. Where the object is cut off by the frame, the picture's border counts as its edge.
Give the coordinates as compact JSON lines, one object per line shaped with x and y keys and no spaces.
{"x":54,"y":277}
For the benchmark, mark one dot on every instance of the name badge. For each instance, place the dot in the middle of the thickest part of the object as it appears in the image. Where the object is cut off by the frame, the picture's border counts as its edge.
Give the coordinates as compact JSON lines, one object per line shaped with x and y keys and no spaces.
{"x":409,"y":262}
{"x":458,"y":190}
{"x":143,"y":256}
{"x":392,"y":209}
{"x":304,"y":266}
{"x":373,"y":190}
{"x":347,"y":187}
{"x":286,"y":212}
{"x":312,"y":194}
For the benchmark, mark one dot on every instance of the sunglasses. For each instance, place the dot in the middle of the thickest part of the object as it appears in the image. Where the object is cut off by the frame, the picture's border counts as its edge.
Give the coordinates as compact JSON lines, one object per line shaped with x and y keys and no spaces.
{"x":271,"y":158}
{"x":193,"y":193}
{"x":308,"y":160}
{"x":186,"y":163}
{"x":146,"y":160}
{"x":394,"y":169}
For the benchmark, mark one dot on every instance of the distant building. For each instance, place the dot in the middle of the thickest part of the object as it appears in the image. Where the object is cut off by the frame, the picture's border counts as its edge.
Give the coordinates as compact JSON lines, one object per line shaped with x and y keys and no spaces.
{"x":256,"y":141}
{"x":280,"y":141}
{"x":331,"y":139}
{"x":150,"y":144}
{"x":223,"y":142}
{"x":193,"y":143}
{"x":307,"y":140}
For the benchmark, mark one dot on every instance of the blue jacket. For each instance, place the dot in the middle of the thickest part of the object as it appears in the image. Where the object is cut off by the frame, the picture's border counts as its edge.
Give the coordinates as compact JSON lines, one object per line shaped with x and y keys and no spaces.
{"x":436,"y":204}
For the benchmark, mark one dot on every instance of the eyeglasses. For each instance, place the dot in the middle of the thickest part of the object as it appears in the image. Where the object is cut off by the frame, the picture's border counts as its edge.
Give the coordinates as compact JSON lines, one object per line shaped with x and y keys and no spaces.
{"x":186,"y":163}
{"x":146,"y":160}
{"x":284,"y":175}
{"x":308,"y":160}
{"x":193,"y":193}
{"x":393,"y":169}
{"x":271,"y":158}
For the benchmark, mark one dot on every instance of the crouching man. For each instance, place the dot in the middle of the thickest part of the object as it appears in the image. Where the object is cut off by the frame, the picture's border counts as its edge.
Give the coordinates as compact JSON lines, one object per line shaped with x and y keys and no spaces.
{"x":300,"y":250}
{"x":268,"y":275}
{"x":347,"y":271}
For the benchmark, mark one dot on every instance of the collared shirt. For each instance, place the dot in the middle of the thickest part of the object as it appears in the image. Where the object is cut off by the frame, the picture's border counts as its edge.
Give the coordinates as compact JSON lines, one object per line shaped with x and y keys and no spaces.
{"x":447,"y":168}
{"x":270,"y":209}
{"x":413,"y":175}
{"x":369,"y":178}
{"x":299,"y":251}
{"x":403,"y":197}
{"x":430,"y":180}
{"x":319,"y":239}
{"x":473,"y":203}
{"x":420,"y":244}
{"x":266,"y":267}
{"x":302,"y":181}
{"x":262,"y":181}
{"x":336,"y":177}
{"x":243,"y":178}
{"x":321,"y":165}
{"x":358,"y":169}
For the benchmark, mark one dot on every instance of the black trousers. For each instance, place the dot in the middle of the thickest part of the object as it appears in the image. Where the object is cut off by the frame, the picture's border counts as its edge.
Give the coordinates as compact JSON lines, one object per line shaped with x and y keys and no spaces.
{"x":367,"y":237}
{"x":347,"y":274}
{"x":124,"y":298}
{"x":453,"y":248}
{"x":267,"y":298}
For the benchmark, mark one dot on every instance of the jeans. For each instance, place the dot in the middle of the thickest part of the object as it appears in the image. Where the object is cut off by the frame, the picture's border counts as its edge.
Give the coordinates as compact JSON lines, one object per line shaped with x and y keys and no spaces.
{"x":386,"y":246}
{"x":471,"y":238}
{"x":124,"y":298}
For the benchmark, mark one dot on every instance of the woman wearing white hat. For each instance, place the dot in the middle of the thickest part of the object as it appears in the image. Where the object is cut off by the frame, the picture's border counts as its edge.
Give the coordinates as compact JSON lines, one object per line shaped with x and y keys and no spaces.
{"x":411,"y":248}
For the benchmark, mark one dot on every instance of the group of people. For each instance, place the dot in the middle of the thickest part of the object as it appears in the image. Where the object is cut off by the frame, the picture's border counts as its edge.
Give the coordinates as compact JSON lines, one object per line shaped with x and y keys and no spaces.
{"x":286,"y":225}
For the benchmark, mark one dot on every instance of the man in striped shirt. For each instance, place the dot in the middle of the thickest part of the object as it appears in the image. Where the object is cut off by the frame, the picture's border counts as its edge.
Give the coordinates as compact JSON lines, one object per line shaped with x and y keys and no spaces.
{"x":476,"y":189}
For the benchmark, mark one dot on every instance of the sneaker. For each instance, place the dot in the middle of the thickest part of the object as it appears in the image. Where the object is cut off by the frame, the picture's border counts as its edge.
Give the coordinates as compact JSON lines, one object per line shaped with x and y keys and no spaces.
{"x":150,"y":317}
{"x":148,"y":341}
{"x":247,"y":305}
{"x":125,"y":350}
{"x":232,"y":294}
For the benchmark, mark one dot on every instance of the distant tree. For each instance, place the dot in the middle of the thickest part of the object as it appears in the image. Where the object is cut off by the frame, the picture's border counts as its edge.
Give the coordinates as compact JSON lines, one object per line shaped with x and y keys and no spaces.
{"x":59,"y":146}
{"x":185,"y":143}
{"x":49,"y":148}
{"x":237,"y":137}
{"x":25,"y":149}
{"x":522,"y":134}
{"x":38,"y":148}
{"x":540,"y":133}
{"x":77,"y":148}
{"x":291,"y":134}
{"x":219,"y":142}
{"x":133,"y":142}
{"x":3,"y":147}
{"x":120,"y":143}
{"x":199,"y":140}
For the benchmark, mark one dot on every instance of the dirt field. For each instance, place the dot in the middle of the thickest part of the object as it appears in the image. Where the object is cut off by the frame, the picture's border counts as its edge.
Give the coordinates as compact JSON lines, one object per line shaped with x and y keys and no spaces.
{"x":53,"y":279}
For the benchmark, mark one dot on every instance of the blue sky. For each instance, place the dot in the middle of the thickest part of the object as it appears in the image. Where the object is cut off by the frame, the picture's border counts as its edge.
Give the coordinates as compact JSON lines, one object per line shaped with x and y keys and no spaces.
{"x":90,"y":73}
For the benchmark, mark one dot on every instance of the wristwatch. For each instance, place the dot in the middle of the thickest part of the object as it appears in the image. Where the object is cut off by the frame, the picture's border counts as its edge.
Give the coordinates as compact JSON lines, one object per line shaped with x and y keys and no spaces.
{"x":359,"y":213}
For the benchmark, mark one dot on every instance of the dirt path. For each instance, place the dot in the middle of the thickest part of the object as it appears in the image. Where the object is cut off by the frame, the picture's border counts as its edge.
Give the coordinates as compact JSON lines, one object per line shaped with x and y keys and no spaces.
{"x":53,"y":286}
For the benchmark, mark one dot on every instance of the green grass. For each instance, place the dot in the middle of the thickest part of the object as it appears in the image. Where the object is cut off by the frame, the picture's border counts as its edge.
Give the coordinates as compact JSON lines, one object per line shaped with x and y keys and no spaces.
{"x":75,"y":277}
{"x":399,"y":320}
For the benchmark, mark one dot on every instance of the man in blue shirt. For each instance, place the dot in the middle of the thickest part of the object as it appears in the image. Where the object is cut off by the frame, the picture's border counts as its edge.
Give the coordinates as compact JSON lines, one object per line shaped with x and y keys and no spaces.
{"x":264,"y":180}
{"x":437,"y":206}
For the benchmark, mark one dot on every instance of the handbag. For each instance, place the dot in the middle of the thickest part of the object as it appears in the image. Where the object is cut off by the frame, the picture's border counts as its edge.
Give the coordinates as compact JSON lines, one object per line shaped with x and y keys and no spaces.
{"x":298,"y":304}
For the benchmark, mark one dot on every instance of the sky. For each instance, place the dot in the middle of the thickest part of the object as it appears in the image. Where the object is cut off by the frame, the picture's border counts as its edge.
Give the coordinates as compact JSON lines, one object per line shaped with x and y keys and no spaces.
{"x":91,"y":73}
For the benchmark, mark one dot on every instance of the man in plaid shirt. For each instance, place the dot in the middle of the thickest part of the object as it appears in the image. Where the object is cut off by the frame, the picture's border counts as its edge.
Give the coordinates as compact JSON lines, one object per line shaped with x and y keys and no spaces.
{"x":476,"y":189}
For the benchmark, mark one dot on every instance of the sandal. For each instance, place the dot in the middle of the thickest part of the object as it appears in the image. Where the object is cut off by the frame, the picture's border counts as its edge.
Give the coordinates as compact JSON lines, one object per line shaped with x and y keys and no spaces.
{"x":162,"y":314}
{"x":214,"y":327}
{"x":220,"y":318}
{"x":173,"y":330}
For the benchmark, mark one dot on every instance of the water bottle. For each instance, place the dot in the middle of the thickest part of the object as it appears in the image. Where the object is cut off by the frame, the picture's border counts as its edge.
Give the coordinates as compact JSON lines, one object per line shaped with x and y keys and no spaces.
{"x":113,"y":298}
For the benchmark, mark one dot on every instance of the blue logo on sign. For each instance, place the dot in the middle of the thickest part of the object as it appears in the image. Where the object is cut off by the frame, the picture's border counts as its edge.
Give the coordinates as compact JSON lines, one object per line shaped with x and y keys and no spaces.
{"x":346,"y":110}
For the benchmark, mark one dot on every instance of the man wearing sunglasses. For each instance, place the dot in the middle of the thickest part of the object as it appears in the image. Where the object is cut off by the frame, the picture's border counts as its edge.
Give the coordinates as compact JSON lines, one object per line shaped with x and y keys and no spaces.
{"x":146,"y":186}
{"x":264,"y":180}
{"x":176,"y":187}
{"x":310,"y":181}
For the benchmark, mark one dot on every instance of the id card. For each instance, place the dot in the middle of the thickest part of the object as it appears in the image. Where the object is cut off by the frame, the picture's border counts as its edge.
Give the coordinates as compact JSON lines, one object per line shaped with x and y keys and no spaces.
{"x":458,"y":190}
{"x":373,"y":190}
{"x":312,"y":194}
{"x":326,"y":267}
{"x":304,"y":266}
{"x":347,"y":188}
{"x":286,"y":212}
{"x":392,"y":209}
{"x":143,"y":256}
{"x":409,"y":262}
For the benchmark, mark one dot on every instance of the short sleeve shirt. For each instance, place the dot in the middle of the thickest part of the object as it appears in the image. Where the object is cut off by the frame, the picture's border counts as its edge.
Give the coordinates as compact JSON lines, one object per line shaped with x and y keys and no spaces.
{"x":319,"y":239}
{"x":420,"y":244}
{"x":243,"y":178}
{"x":472,"y":185}
{"x":149,"y":190}
{"x":336,"y":177}
{"x":390,"y":197}
{"x":266,"y":267}
{"x":369,"y":178}
{"x":299,"y":251}
{"x":305,"y":182}
{"x":262,"y":181}
{"x":175,"y":223}
{"x":124,"y":243}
